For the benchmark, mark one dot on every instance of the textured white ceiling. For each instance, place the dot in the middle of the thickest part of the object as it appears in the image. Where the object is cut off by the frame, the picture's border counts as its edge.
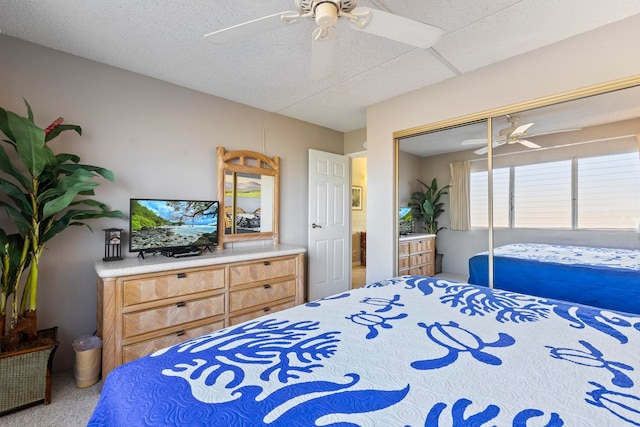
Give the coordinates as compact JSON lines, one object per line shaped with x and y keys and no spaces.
{"x":164,"y":40}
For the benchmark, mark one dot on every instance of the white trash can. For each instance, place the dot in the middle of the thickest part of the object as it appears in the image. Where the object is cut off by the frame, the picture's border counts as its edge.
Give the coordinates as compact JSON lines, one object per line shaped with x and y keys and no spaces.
{"x":88,"y":361}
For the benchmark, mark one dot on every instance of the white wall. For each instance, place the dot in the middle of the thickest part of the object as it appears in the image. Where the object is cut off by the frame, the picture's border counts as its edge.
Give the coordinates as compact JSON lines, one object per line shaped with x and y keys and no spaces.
{"x":159,"y":140}
{"x":602,"y":55}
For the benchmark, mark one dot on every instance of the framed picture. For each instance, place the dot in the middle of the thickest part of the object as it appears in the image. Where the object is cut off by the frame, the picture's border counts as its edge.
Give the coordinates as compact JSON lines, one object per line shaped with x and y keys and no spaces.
{"x":356,"y":198}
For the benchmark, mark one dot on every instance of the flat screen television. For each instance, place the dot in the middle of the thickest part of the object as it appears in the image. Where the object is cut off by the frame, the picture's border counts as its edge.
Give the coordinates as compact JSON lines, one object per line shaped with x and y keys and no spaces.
{"x":404,"y":214}
{"x":161,"y":225}
{"x":405,"y":221}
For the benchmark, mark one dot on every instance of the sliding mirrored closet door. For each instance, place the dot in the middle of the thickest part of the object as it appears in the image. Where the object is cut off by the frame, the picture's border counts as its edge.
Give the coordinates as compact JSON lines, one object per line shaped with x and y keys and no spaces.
{"x":566,"y":191}
{"x":446,"y":155}
{"x":559,"y":171}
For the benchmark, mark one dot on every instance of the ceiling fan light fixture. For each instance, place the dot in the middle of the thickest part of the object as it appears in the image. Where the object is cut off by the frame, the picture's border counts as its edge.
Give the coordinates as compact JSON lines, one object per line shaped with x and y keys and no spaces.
{"x":326,"y":13}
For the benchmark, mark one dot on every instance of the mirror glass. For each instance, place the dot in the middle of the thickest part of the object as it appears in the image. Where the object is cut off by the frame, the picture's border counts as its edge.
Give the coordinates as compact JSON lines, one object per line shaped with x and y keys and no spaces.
{"x":249,"y":203}
{"x":566,"y":177}
{"x":437,"y":155}
{"x":566,"y":174}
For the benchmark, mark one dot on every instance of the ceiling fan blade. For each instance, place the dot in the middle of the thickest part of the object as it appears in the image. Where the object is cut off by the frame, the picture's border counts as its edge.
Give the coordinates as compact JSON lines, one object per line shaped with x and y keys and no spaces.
{"x":528,"y":144}
{"x":474,"y":141}
{"x":495,"y":144}
{"x":399,"y":28}
{"x":250,"y":28}
{"x":323,"y":58}
{"x":552,"y":132}
{"x":521,"y":129}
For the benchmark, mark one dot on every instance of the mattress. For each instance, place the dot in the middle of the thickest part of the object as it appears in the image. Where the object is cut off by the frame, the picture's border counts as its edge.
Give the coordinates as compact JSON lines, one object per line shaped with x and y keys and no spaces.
{"x":601,"y":277}
{"x":408,"y":351}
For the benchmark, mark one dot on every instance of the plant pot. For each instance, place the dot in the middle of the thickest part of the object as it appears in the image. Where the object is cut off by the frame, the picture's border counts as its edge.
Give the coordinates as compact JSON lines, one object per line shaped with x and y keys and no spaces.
{"x":25,"y":374}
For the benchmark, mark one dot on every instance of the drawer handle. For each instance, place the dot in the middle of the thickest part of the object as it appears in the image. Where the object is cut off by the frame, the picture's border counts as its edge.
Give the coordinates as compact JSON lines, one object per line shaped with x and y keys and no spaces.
{"x":181,"y":304}
{"x":266,"y":309}
{"x":180,"y":333}
{"x":267,"y":286}
{"x":181,"y":275}
{"x":267,"y":263}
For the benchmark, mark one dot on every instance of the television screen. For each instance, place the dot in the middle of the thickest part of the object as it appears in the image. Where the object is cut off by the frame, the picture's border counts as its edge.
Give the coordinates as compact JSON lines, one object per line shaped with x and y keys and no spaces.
{"x":156,"y":224}
{"x":405,"y":217}
{"x":404,"y":214}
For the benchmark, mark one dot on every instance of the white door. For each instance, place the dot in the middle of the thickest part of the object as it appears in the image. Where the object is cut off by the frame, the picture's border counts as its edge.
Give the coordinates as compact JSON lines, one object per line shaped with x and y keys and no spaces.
{"x":329,"y":251}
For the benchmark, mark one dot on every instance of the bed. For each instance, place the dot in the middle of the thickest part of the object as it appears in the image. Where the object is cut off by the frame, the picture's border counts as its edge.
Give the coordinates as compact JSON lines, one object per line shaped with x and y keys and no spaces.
{"x":602,"y":277}
{"x":408,"y":351}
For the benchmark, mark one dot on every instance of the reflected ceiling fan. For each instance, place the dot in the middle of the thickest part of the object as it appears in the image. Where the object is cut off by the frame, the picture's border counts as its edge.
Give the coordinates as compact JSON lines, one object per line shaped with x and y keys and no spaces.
{"x":514,"y":134}
{"x":326,"y":14}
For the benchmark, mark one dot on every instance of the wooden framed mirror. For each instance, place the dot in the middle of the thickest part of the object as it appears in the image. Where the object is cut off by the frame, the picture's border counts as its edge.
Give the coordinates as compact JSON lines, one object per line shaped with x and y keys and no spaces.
{"x":249,"y":196}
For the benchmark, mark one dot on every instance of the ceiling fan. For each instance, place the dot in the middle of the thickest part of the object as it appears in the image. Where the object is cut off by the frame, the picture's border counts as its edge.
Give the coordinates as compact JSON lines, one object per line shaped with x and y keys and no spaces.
{"x":326,"y":14}
{"x":513,"y":134}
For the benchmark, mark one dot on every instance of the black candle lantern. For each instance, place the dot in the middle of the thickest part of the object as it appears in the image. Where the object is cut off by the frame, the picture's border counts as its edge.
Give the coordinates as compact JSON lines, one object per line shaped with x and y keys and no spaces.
{"x":112,"y":244}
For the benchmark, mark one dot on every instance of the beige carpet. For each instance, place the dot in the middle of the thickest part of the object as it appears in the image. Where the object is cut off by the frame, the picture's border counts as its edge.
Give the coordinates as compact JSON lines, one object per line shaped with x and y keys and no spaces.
{"x":70,"y":406}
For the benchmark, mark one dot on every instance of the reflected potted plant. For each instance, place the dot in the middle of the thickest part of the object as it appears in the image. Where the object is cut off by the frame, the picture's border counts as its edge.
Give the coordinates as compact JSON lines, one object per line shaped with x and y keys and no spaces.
{"x":427,"y":207}
{"x":43,"y":194}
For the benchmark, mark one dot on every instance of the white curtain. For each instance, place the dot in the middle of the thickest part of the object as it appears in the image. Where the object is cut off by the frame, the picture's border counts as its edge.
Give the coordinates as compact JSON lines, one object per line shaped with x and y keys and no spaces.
{"x":459,"y":195}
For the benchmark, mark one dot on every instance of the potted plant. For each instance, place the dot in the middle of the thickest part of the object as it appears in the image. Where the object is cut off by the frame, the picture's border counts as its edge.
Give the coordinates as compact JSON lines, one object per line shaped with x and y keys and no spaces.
{"x":43,"y":194}
{"x":427,"y":207}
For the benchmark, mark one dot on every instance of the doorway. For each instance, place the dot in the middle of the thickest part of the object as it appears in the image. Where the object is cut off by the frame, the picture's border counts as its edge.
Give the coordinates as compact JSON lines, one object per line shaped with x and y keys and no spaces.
{"x":358,"y":220}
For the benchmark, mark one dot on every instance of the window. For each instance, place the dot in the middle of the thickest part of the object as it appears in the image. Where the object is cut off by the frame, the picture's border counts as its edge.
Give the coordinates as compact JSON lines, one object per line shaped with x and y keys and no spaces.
{"x":479,"y":194}
{"x":542,"y":195}
{"x":609,"y":191}
{"x":601,"y":192}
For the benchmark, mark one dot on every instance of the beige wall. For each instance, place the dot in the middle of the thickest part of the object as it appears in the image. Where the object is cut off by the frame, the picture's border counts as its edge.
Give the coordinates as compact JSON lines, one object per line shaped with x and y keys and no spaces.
{"x":354,"y":141}
{"x":602,"y":55}
{"x":159,"y":140}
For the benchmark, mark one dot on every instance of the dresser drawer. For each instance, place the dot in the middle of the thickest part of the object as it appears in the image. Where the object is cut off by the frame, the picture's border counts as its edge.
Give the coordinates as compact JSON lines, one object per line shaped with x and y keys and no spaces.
{"x":263,"y":310}
{"x":143,"y":321}
{"x":261,"y":270}
{"x":403,"y":249}
{"x":143,"y":348}
{"x":403,"y":263}
{"x":261,"y":295}
{"x":171,"y":285}
{"x":418,"y":259}
{"x":417,"y":271}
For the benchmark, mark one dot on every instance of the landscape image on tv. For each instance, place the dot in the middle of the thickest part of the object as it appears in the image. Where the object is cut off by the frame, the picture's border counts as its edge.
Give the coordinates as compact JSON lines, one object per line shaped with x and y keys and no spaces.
{"x":162,"y":224}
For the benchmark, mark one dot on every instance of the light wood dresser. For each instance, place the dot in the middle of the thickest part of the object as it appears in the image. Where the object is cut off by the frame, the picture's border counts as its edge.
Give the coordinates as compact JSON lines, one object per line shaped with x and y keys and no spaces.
{"x":416,"y":255}
{"x":147,"y":304}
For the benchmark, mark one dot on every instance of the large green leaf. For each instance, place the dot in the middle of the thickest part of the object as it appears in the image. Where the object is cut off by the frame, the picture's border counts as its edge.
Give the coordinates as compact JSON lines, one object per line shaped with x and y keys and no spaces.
{"x":21,"y":200}
{"x":105,"y":173}
{"x":29,"y":142}
{"x":61,"y":128}
{"x":7,"y":166}
{"x":4,"y":125}
{"x":19,"y":219}
{"x":64,"y":184}
{"x":65,"y":157}
{"x":76,"y":215}
{"x":58,"y":204}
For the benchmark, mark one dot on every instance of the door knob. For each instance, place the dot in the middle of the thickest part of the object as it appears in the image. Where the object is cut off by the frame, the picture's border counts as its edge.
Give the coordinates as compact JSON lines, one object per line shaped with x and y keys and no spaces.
{"x":314,"y":225}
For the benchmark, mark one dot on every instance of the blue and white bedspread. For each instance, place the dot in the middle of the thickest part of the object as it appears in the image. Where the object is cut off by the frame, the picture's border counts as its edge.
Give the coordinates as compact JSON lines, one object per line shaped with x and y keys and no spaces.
{"x":602,"y":277}
{"x":409,"y":351}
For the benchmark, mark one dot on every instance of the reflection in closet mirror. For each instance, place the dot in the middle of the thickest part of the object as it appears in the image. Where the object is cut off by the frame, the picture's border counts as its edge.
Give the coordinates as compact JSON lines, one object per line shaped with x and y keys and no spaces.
{"x":581,"y":138}
{"x":441,"y":154}
{"x":248,"y":191}
{"x":570,"y":180}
